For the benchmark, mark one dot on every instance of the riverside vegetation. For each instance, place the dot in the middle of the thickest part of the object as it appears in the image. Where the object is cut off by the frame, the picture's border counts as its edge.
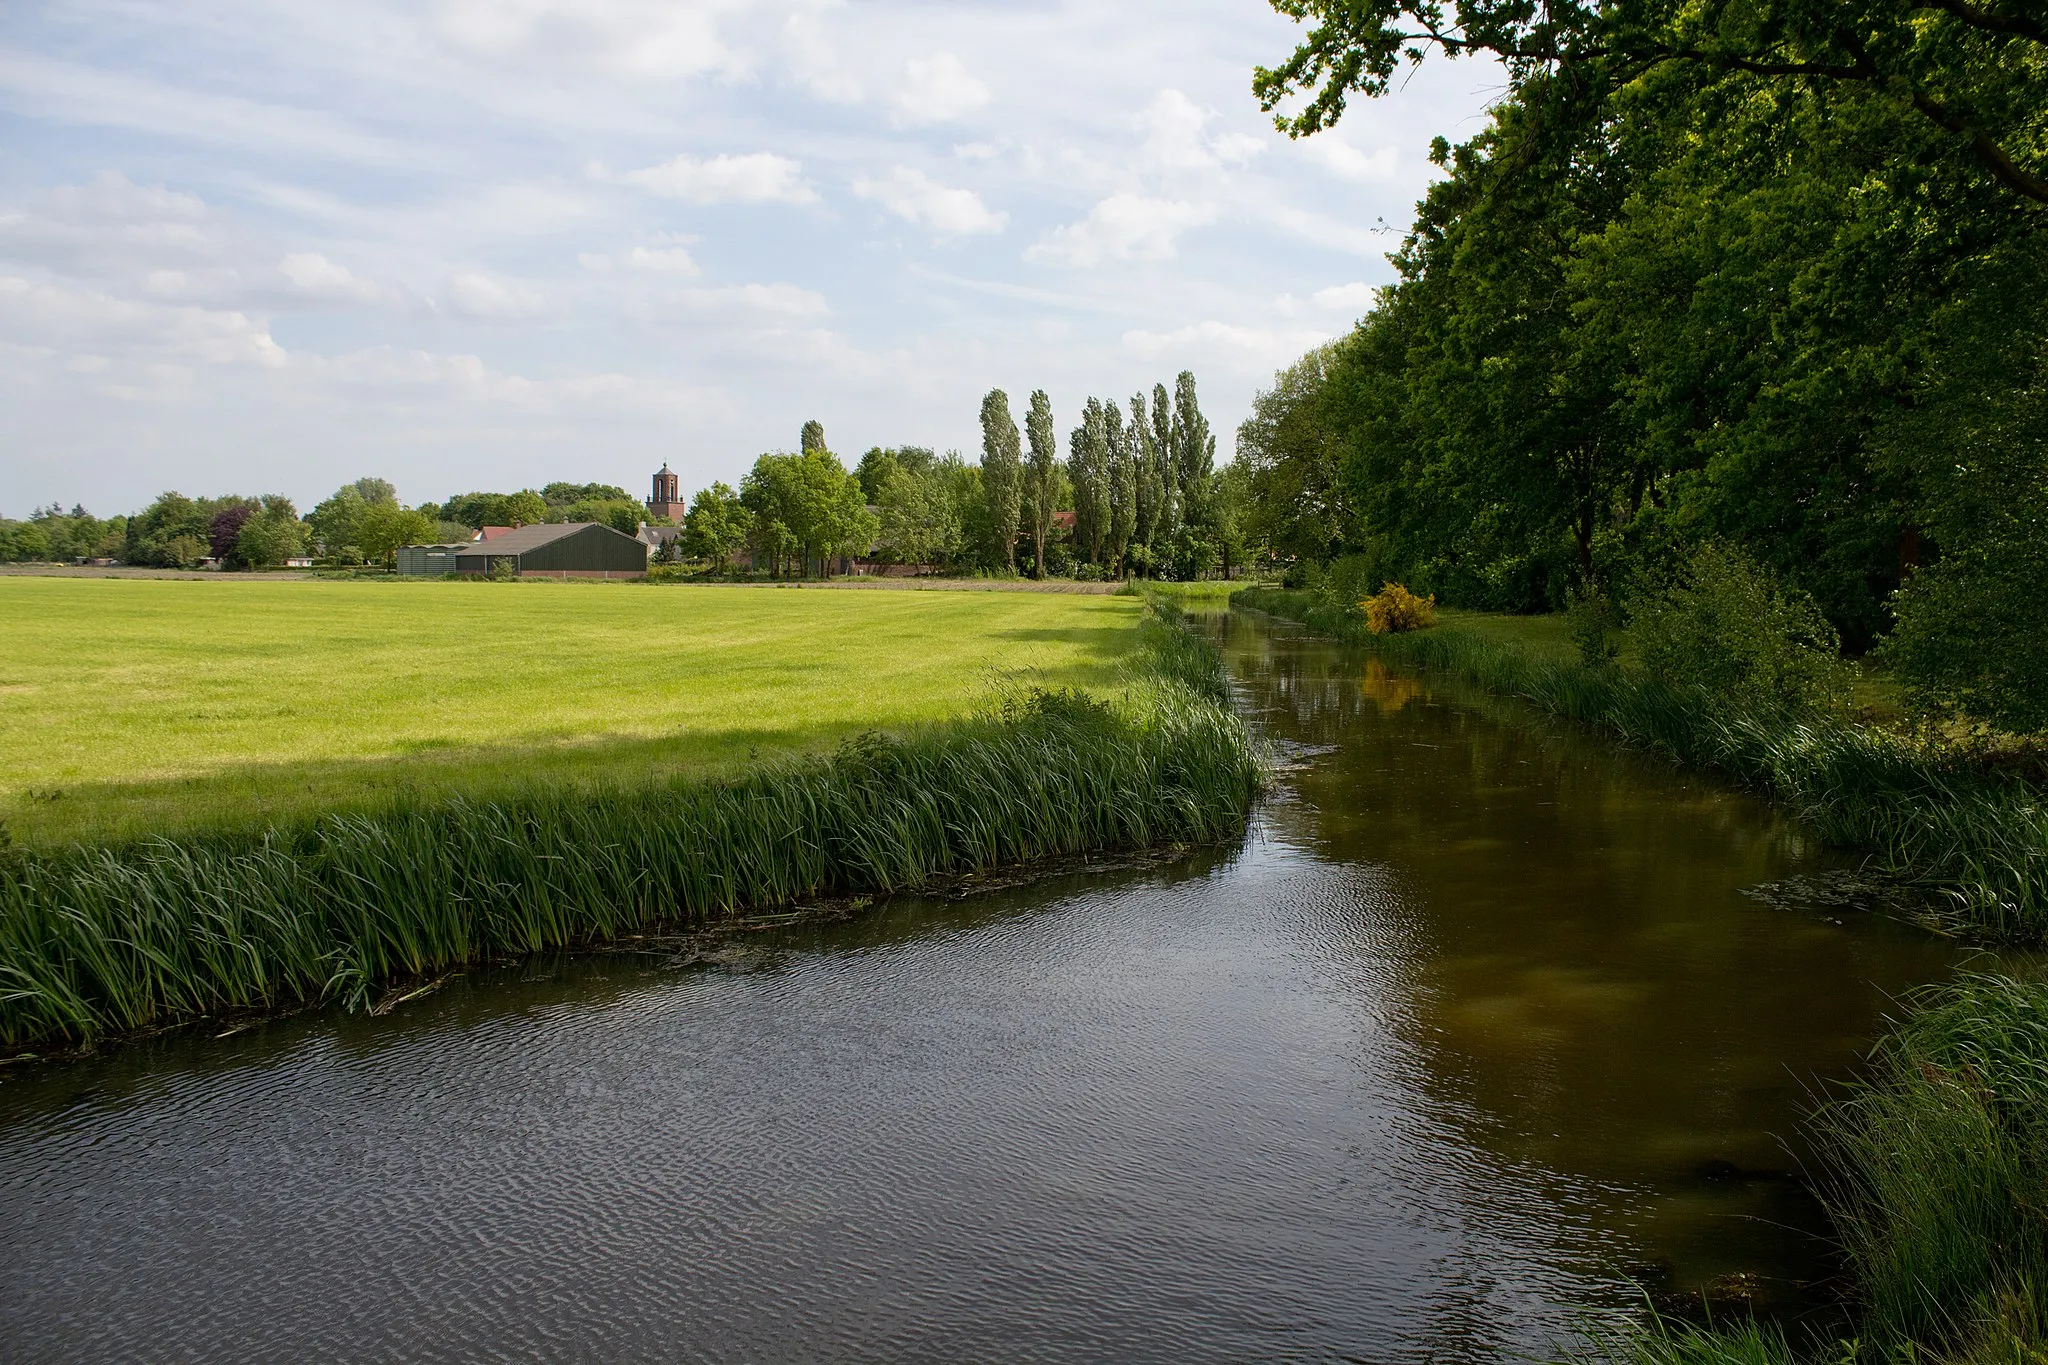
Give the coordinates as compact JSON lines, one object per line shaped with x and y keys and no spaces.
{"x":98,"y":940}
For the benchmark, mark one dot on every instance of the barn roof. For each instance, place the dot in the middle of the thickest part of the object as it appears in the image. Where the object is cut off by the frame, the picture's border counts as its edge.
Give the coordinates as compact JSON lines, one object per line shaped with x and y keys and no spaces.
{"x":523,"y":538}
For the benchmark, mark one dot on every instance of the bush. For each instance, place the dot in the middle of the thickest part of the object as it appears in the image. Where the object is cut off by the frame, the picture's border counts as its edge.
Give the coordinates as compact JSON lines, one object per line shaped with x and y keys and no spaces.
{"x":1729,"y":626}
{"x":1593,"y":620}
{"x":1394,"y":609}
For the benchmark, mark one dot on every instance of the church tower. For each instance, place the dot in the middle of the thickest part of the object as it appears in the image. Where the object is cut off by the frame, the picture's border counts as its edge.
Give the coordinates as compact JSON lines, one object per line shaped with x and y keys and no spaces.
{"x":667,"y":501}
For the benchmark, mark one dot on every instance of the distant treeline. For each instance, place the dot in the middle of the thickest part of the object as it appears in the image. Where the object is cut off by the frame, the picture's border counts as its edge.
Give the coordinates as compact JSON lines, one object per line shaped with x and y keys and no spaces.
{"x":1138,"y":497}
{"x":1776,"y":283}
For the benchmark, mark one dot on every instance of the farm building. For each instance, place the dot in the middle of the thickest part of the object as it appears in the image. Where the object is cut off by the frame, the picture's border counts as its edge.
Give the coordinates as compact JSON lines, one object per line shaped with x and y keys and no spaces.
{"x":576,"y":549}
{"x":429,"y":560}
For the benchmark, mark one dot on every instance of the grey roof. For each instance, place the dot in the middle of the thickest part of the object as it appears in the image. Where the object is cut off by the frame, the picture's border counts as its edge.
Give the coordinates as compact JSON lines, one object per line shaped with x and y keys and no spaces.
{"x":520,"y":539}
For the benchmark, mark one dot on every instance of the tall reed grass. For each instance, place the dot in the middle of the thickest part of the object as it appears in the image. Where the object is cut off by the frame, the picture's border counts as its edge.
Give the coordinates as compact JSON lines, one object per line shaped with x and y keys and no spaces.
{"x":104,"y":940}
{"x":1980,"y":838}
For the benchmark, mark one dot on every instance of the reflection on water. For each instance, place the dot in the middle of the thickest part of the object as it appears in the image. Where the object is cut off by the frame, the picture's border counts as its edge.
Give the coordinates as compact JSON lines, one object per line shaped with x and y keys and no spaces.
{"x":1475,"y":1025}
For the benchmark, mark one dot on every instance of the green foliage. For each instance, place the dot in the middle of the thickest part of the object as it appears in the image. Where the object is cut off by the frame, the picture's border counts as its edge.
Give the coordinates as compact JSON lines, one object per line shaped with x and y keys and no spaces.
{"x":381,"y":528}
{"x":568,"y":494}
{"x":270,"y":537}
{"x":812,"y":439}
{"x":717,"y":526}
{"x":1717,"y":272}
{"x":101,"y":940}
{"x":806,"y":509}
{"x":1731,"y":628}
{"x":878,"y":464}
{"x":1039,"y":495}
{"x":623,"y":515}
{"x":920,"y":523}
{"x":51,"y":533}
{"x":1002,"y":476}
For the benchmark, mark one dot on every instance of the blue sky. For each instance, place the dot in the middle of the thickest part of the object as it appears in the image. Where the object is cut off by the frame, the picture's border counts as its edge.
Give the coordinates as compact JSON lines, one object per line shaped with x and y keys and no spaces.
{"x":269,"y":247}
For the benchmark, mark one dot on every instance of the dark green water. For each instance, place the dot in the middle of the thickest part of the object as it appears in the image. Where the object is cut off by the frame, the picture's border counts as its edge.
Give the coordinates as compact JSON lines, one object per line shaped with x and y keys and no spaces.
{"x":1475,"y":1030}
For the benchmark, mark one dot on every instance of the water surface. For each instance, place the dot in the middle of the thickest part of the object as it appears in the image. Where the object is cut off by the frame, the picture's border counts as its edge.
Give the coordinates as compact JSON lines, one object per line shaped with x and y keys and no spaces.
{"x":1474,"y":1031}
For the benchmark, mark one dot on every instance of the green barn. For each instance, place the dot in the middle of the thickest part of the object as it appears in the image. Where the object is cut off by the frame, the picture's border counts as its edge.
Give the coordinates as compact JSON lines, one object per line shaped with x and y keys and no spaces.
{"x":576,"y":549}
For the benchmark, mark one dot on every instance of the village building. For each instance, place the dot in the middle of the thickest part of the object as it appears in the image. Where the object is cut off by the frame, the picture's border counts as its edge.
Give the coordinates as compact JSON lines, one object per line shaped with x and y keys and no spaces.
{"x":575,"y":549}
{"x":666,"y":503}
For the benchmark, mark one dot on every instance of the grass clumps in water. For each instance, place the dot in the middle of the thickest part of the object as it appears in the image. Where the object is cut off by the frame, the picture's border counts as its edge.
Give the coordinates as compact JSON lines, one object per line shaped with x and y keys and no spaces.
{"x":1980,"y":837}
{"x":98,"y":941}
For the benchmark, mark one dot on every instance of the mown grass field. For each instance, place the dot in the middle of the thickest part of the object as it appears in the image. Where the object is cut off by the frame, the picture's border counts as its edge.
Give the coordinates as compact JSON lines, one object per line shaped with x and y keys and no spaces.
{"x":129,"y":707}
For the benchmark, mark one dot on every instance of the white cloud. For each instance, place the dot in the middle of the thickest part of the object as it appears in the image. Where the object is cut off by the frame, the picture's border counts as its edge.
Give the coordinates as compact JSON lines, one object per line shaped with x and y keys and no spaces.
{"x":671,"y":256}
{"x":1345,"y":161}
{"x":912,"y":195}
{"x":755,"y":178}
{"x":315,"y":276}
{"x":769,"y":300}
{"x":1238,"y":348}
{"x":1177,"y":137}
{"x":649,"y":39}
{"x":1123,"y":227}
{"x":937,"y":90}
{"x":1357,"y":296}
{"x":488,"y":298}
{"x":92,"y":323}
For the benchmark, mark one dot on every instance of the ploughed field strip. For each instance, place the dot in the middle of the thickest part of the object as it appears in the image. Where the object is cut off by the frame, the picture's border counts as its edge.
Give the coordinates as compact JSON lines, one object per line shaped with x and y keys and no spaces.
{"x":136,"y":707}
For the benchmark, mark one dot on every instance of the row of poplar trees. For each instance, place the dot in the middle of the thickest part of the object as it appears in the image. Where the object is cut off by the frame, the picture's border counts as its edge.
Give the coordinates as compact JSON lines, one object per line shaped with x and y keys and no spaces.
{"x":1143,"y":488}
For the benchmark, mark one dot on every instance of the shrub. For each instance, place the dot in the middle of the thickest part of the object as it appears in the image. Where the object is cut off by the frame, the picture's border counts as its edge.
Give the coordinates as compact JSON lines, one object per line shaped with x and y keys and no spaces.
{"x":1731,"y":627}
{"x":1593,"y":620}
{"x":1394,"y":609}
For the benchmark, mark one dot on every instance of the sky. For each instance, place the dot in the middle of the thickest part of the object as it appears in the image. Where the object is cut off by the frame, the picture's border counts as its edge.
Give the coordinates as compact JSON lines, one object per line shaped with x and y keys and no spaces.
{"x":263,"y":246}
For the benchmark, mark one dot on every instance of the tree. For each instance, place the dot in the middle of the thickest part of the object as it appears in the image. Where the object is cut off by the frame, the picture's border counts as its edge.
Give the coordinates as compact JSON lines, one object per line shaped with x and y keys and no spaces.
{"x":812,"y":437}
{"x":383,"y":527}
{"x":1290,"y":453}
{"x":270,"y":537}
{"x":717,"y":526}
{"x":1001,"y":475}
{"x":1965,"y":70}
{"x":1194,"y":452}
{"x":525,"y":508}
{"x":919,"y":521}
{"x":621,"y":514}
{"x":807,"y":504}
{"x":1122,"y":491}
{"x":1088,"y":466}
{"x":876,"y":466}
{"x":1147,"y":491}
{"x":1040,"y":474}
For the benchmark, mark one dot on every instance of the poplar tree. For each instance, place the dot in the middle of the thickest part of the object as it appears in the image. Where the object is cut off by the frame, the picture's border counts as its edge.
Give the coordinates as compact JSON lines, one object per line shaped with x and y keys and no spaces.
{"x":1194,"y":451}
{"x":1145,"y":478}
{"x":1088,"y":467}
{"x":813,"y":437}
{"x":1000,"y":474}
{"x":1041,"y":477}
{"x":1123,"y":487}
{"x":1168,"y":521}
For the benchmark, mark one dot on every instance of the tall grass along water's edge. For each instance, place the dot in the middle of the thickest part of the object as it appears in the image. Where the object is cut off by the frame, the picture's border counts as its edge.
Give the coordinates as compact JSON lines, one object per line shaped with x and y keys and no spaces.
{"x":1980,"y":839}
{"x":104,"y":940}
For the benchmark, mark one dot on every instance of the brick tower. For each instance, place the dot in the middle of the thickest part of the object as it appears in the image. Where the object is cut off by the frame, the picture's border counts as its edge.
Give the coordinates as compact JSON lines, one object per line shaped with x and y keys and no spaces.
{"x":667,"y":501}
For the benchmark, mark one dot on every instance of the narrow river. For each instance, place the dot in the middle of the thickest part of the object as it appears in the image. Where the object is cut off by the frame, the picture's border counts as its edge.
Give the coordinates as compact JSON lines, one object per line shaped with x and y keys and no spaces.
{"x":1475,"y":1031}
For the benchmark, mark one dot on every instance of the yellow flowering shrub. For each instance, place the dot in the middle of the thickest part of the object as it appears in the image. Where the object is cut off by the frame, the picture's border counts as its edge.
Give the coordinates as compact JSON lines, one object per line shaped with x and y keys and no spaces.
{"x":1394,"y":609}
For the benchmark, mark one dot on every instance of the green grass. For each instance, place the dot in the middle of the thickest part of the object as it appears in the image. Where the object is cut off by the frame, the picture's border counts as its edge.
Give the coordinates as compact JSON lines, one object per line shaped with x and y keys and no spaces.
{"x":1979,"y":839}
{"x":106,"y":939}
{"x":130,"y":707}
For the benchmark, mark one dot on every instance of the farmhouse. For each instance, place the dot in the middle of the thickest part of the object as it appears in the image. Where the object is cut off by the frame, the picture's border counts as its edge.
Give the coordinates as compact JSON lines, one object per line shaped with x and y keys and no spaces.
{"x":576,"y":549}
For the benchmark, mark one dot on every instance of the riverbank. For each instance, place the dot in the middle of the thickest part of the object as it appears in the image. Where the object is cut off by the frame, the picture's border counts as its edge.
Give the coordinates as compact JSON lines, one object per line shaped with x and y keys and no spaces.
{"x":101,"y":939}
{"x":1975,"y":840}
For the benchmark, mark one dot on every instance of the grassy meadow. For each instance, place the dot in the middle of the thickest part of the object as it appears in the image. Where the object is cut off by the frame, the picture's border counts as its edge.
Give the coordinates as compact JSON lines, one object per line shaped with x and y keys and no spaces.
{"x":130,"y":707}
